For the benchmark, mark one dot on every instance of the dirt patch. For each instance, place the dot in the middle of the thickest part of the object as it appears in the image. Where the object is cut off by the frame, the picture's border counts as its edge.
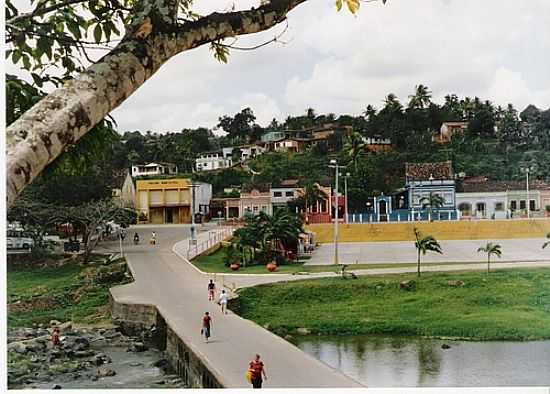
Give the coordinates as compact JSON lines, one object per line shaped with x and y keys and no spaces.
{"x":36,"y":303}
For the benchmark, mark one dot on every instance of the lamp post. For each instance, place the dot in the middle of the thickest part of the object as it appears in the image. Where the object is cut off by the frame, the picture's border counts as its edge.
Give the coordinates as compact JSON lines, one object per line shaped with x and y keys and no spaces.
{"x":193,"y":229}
{"x":334,"y":164}
{"x":346,"y":196}
{"x":527,"y":189}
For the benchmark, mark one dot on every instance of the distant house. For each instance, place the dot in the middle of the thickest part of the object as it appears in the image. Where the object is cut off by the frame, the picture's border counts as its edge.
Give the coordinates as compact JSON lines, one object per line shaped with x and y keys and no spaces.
{"x":482,"y":198}
{"x":329,"y":135}
{"x":154,"y":169}
{"x":214,"y":160}
{"x":255,"y":199}
{"x":448,"y":129}
{"x":284,"y":192}
{"x":378,"y":144}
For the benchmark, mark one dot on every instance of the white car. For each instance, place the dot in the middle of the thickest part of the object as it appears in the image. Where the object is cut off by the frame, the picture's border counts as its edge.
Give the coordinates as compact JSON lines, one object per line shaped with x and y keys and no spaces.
{"x":18,"y":240}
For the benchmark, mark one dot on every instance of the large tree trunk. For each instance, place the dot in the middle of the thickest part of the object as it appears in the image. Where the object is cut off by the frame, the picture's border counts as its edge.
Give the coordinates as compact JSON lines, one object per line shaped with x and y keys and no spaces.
{"x":64,"y":116}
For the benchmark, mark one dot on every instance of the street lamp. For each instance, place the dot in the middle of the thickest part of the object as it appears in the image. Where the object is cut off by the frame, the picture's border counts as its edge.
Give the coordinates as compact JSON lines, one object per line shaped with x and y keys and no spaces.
{"x":334,"y":164}
{"x":527,"y":170}
{"x":193,"y":229}
{"x":346,"y":195}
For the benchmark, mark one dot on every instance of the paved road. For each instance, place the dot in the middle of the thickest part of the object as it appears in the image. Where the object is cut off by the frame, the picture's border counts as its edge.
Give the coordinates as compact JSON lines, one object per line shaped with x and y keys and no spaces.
{"x":179,"y":292}
{"x":528,"y":249}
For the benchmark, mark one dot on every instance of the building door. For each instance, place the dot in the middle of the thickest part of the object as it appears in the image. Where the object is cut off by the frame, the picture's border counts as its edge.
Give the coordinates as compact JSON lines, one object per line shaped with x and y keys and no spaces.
{"x":169,"y":215}
{"x":481,"y":209}
{"x":383,"y":210}
{"x":156,"y":215}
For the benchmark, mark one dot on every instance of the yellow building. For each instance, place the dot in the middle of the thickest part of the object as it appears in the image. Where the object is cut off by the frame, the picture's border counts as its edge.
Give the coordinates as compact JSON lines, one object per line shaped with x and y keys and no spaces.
{"x":161,"y":201}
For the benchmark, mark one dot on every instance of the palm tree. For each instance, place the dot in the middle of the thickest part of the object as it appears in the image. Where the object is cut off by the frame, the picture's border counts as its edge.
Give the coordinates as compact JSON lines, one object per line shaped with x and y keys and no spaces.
{"x":490,"y":249}
{"x":354,"y":147}
{"x":433,"y":202}
{"x":425,"y":244}
{"x":311,"y":196}
{"x":421,"y":98}
{"x":544,"y":245}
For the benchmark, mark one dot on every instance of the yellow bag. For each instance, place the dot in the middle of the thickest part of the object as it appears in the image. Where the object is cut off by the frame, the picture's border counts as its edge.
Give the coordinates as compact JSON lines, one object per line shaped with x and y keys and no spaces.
{"x":249,"y":376}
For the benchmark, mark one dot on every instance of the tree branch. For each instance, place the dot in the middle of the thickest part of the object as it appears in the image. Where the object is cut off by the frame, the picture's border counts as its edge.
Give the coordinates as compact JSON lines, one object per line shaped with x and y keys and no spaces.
{"x":38,"y":11}
{"x":64,"y":116}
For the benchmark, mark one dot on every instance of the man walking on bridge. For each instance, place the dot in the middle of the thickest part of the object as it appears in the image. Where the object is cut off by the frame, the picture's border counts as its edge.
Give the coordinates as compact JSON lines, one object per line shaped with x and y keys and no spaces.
{"x":206,"y":326}
{"x":257,"y":369}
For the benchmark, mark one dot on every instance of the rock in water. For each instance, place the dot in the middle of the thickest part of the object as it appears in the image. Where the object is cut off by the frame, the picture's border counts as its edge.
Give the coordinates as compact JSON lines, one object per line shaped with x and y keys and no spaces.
{"x":102,"y":372}
{"x":56,"y":387}
{"x":137,"y":347}
{"x":303,"y":331}
{"x":445,"y":346}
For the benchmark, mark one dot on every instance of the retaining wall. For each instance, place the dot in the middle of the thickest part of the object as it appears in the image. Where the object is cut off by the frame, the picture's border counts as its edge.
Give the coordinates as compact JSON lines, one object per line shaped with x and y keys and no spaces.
{"x":135,"y":319}
{"x":447,"y":230}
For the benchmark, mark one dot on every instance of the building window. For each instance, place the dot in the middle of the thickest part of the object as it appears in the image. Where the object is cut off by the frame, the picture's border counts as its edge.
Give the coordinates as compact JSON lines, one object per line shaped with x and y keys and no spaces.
{"x":499,"y":206}
{"x":465,"y":208}
{"x":480,"y":207}
{"x":532,"y":205}
{"x":513,"y":205}
{"x":264,"y":208}
{"x":277,"y":194}
{"x":522,"y":204}
{"x":289,"y":194}
{"x":255,"y":209}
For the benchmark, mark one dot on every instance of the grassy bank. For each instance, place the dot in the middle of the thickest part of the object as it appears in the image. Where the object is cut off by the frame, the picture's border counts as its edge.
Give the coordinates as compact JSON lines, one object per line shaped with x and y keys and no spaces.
{"x":505,"y":305}
{"x":80,"y":293}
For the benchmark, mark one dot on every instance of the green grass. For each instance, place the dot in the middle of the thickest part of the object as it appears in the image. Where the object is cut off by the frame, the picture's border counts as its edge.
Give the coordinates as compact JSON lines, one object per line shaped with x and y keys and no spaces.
{"x":504,"y":305}
{"x":38,"y":295}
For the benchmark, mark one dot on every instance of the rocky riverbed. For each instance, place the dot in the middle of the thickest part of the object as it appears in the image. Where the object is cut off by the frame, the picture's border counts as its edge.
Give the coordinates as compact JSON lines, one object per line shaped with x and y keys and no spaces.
{"x":87,"y":358}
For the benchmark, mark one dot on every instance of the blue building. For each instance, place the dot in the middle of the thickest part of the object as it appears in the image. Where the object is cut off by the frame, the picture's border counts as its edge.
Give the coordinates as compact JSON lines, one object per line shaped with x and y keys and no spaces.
{"x":412,"y":202}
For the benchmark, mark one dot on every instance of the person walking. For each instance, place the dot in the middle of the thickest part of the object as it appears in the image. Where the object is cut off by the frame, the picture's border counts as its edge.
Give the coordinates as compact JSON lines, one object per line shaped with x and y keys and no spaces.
{"x":211,"y":290}
{"x":257,"y":369}
{"x":136,"y":238}
{"x":223,"y":301}
{"x":153,"y":238}
{"x":206,"y":326}
{"x":56,"y":341}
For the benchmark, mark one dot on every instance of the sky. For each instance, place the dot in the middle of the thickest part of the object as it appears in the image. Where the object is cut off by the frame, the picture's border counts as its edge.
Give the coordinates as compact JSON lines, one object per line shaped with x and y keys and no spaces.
{"x":336,"y":62}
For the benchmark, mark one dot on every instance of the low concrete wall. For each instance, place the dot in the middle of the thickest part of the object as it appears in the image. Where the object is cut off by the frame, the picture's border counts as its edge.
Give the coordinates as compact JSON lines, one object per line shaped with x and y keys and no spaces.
{"x":452,"y":230}
{"x":136,"y":319}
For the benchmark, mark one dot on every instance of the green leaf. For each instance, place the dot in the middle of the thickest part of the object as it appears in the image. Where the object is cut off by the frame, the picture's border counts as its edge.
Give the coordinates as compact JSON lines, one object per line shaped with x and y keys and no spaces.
{"x":16,"y":56}
{"x":37,"y":79}
{"x":97,"y":33}
{"x":73,"y":28}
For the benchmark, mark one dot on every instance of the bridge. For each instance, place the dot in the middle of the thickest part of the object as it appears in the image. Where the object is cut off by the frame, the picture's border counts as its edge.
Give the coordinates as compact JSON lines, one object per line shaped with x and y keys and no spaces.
{"x":171,"y":293}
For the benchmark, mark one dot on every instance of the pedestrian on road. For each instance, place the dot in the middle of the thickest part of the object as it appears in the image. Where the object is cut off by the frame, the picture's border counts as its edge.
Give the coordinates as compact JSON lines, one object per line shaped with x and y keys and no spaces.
{"x":257,"y":369}
{"x":136,"y":238}
{"x":211,"y":290}
{"x":206,"y":326}
{"x":223,"y":301}
{"x":153,"y":238}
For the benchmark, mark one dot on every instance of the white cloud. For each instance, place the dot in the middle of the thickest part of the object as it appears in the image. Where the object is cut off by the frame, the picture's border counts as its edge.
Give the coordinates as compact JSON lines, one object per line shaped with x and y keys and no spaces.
{"x":335,"y":62}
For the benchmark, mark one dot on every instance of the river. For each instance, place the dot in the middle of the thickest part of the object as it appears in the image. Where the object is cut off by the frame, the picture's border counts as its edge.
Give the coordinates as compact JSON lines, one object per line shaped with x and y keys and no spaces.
{"x":377,"y":361}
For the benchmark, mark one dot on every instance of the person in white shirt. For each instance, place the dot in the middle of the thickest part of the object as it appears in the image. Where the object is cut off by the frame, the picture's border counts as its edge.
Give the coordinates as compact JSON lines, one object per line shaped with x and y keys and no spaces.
{"x":223,"y":301}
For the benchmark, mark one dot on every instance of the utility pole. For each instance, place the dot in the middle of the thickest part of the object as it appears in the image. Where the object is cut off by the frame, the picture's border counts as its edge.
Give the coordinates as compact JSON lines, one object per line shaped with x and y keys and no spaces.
{"x":334,"y":165}
{"x":527,"y":187}
{"x":193,"y":229}
{"x":346,"y":197}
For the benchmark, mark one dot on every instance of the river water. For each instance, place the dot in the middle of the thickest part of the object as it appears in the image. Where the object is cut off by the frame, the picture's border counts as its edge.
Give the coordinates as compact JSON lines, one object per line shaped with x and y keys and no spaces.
{"x":411,"y":362}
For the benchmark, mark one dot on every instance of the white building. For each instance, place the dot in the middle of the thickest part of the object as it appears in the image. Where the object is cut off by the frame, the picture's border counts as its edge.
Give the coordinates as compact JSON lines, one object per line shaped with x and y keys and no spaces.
{"x":154,"y":169}
{"x":203,"y":195}
{"x":285,"y":192}
{"x":216,"y":160}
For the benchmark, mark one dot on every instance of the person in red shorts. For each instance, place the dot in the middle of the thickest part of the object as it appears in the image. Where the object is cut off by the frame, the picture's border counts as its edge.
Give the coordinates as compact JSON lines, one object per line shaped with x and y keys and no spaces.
{"x":55,"y":337}
{"x":257,"y":369}
{"x":211,"y":290}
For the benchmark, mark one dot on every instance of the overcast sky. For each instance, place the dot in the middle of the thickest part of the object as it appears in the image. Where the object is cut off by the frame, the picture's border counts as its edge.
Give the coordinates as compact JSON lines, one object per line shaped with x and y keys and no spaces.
{"x":335,"y":62}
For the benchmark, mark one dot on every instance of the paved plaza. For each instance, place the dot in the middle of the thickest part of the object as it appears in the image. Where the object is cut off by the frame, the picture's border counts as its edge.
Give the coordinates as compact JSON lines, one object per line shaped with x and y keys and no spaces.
{"x":464,"y":251}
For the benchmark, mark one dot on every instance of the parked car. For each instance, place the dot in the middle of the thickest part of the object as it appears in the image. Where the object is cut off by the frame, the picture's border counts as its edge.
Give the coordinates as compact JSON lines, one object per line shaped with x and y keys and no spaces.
{"x":17,"y":239}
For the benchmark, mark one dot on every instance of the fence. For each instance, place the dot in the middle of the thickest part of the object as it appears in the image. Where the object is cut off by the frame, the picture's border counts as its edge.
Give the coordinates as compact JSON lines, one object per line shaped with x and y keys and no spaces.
{"x":214,"y":236}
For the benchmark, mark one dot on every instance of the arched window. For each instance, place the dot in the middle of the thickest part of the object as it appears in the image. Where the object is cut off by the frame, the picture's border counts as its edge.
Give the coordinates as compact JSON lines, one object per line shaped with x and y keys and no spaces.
{"x":465,"y":208}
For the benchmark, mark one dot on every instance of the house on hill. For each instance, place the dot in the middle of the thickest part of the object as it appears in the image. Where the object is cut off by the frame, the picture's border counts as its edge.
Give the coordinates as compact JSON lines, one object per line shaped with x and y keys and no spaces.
{"x":154,"y":169}
{"x":448,"y":129}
